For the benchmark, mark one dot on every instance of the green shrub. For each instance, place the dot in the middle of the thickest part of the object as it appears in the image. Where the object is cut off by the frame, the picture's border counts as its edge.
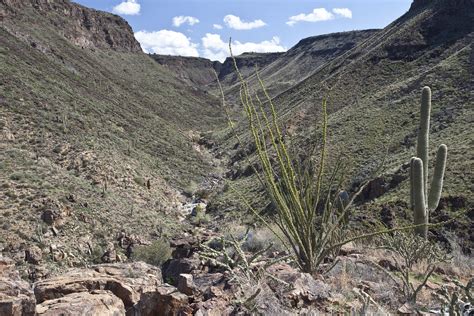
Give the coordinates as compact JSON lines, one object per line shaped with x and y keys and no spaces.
{"x":156,"y":254}
{"x":201,"y":217}
{"x":140,"y":181}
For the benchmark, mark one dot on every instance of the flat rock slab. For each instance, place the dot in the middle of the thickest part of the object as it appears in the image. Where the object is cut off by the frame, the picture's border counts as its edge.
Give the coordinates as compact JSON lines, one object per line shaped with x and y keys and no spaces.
{"x":103,"y":303}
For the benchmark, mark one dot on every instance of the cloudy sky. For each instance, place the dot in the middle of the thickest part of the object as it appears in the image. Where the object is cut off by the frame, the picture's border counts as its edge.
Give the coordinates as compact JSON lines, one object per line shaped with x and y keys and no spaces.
{"x":203,"y":27}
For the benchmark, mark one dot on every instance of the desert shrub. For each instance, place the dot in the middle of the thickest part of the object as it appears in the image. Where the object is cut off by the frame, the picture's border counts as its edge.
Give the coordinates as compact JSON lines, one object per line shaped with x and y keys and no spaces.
{"x":229,"y":253}
{"x":156,"y":253}
{"x":140,"y":181}
{"x":190,"y":189}
{"x":199,"y":216}
{"x":203,"y":193}
{"x":311,"y":209}
{"x":97,"y":252}
{"x":411,"y":254}
{"x":260,"y":238}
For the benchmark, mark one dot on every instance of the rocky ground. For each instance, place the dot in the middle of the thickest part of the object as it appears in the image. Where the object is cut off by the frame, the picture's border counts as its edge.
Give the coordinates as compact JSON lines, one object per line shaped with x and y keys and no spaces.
{"x":197,"y":280}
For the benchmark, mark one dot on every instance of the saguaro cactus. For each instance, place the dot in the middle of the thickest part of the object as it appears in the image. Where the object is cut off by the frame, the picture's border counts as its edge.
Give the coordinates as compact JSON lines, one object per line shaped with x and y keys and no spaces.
{"x":424,"y":199}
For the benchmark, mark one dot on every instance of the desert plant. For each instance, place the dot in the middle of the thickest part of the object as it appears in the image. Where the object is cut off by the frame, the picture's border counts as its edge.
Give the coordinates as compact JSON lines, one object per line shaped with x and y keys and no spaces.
{"x":228,"y":254}
{"x":200,"y":216}
{"x":246,"y":271}
{"x":407,"y":251}
{"x":369,"y":305}
{"x":422,"y":199}
{"x":156,"y":253}
{"x":311,"y":214}
{"x":458,"y":300}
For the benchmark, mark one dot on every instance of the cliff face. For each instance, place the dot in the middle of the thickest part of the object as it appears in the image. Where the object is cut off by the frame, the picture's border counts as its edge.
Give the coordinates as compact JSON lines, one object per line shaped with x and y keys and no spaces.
{"x":193,"y":70}
{"x":246,"y":64}
{"x":84,"y":27}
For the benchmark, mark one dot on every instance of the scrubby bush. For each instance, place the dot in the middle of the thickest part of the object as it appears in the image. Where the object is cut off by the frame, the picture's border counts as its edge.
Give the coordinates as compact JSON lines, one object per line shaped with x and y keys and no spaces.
{"x":409,"y":253}
{"x":200,"y":216}
{"x":156,"y":253}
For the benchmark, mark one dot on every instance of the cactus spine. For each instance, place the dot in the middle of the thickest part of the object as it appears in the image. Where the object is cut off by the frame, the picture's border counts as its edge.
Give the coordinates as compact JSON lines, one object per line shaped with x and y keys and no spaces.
{"x":423,"y":200}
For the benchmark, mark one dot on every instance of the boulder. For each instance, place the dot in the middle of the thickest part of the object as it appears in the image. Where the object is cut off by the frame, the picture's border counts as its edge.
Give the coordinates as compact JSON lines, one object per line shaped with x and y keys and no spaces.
{"x":171,"y":302}
{"x":174,"y":267}
{"x":54,"y":213}
{"x":387,"y":216}
{"x":137,"y":285}
{"x":186,"y":284}
{"x":305,"y":289}
{"x":33,"y":255}
{"x":16,"y":296}
{"x":84,"y":303}
{"x":110,"y":254}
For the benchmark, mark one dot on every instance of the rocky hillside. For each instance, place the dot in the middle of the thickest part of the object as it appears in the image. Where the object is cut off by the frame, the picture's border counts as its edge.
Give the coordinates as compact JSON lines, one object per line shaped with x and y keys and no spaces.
{"x":96,"y":137}
{"x":374,"y":109}
{"x":201,"y":72}
{"x":301,"y":61}
{"x":247,"y":62}
{"x":280,"y":70}
{"x":377,"y":87}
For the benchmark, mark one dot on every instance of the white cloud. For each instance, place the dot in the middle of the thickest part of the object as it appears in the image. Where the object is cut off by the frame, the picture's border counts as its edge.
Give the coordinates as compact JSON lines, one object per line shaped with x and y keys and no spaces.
{"x":215,"y":48}
{"x":167,"y":43}
{"x":179,"y":20}
{"x":344,"y":12}
{"x":127,"y":7}
{"x":234,"y":22}
{"x":217,"y":26}
{"x":318,"y":14}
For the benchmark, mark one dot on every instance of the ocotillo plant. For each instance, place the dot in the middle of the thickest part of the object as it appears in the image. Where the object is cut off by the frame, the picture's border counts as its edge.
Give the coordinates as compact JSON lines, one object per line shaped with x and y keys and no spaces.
{"x":424,"y":200}
{"x":311,"y":216}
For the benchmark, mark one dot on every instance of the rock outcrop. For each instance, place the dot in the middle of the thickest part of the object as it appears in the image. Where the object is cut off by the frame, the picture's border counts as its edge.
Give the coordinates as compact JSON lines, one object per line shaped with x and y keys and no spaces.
{"x":84,"y":27}
{"x":16,"y":296}
{"x":97,"y":302}
{"x":195,"y":71}
{"x":128,"y":288}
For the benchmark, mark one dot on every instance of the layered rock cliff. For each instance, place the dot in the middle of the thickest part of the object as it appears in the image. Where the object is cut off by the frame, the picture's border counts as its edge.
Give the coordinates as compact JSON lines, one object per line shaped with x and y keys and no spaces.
{"x":84,"y":27}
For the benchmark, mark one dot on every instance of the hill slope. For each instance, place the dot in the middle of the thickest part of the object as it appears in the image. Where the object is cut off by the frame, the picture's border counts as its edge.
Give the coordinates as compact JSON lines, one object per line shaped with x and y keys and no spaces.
{"x":297,"y":64}
{"x":88,"y":123}
{"x":374,"y":107}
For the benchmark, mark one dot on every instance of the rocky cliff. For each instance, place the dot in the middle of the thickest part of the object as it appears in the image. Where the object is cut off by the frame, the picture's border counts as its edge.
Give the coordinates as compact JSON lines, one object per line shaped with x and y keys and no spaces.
{"x":84,"y":27}
{"x":246,"y":63}
{"x":193,"y":70}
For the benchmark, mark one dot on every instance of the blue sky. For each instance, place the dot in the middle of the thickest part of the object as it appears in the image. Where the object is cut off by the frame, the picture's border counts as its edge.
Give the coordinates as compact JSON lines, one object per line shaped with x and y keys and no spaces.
{"x":203,"y":27}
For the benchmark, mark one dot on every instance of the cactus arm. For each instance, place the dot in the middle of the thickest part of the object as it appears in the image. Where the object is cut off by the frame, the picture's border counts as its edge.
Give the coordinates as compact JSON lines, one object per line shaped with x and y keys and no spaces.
{"x":420,"y":214}
{"x":437,"y":182}
{"x":412,"y":199}
{"x":424,"y":134}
